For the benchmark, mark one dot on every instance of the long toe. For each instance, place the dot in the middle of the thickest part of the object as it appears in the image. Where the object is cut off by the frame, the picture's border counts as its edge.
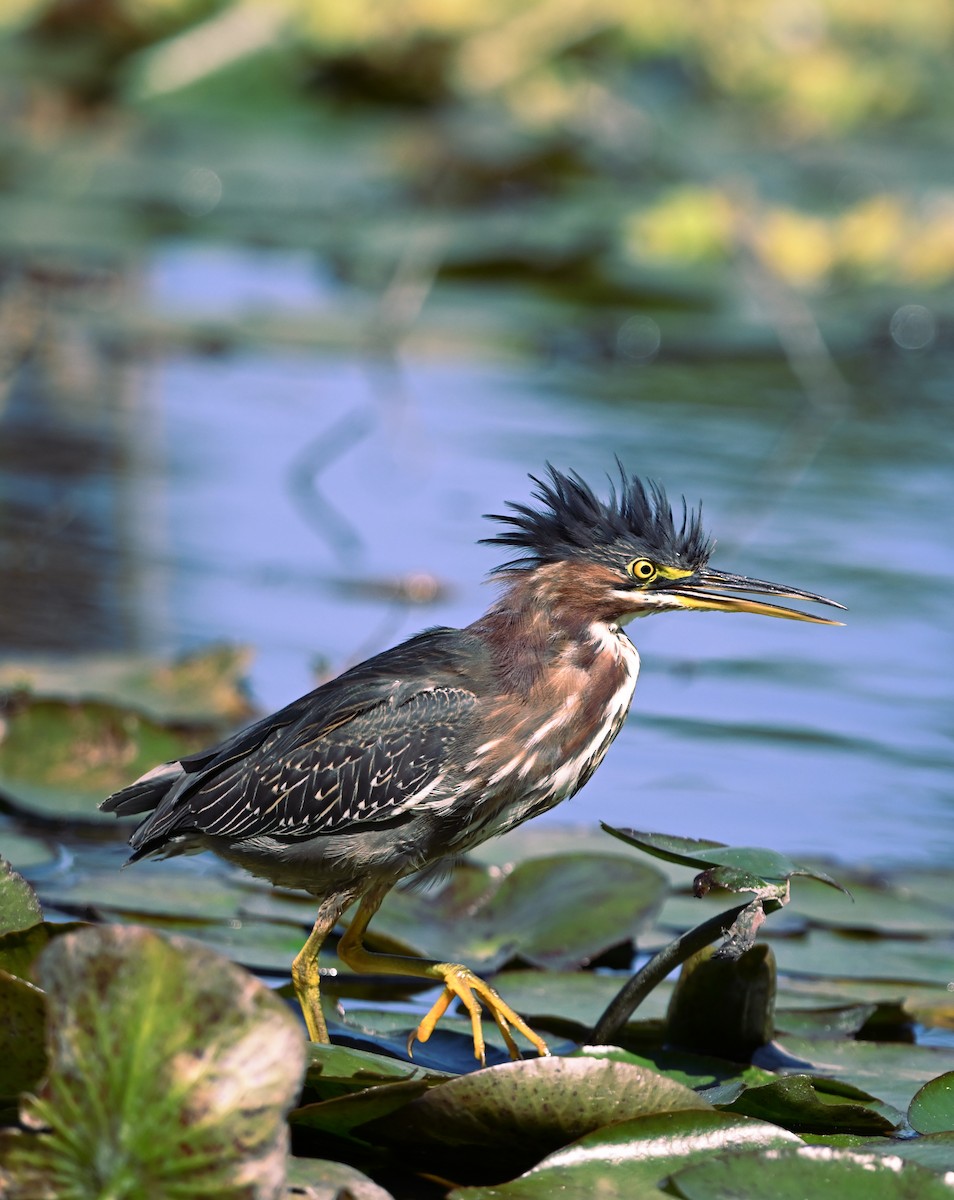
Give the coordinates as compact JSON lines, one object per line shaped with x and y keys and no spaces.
{"x":472,"y":991}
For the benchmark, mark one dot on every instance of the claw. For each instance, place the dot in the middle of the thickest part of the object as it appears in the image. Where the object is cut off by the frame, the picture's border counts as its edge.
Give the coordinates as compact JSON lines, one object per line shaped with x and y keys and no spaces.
{"x":462,"y":983}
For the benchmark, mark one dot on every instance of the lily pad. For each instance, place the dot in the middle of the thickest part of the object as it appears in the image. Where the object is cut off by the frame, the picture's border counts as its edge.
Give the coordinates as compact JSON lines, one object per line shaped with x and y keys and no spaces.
{"x":21,"y":948}
{"x":203,"y":688}
{"x":59,"y":759}
{"x":22,"y":1036}
{"x":333,"y":1070}
{"x":793,"y":1174}
{"x":884,"y":911}
{"x":932,"y":1150}
{"x":576,"y":997}
{"x":626,"y":1161}
{"x":320,"y":1179}
{"x":449,"y":1049}
{"x":559,"y":912}
{"x":835,"y":955}
{"x":836,"y":1021}
{"x":27,"y":853}
{"x":932,"y":1109}
{"x":760,"y":865}
{"x":799,"y":1103}
{"x":171,"y":1071}
{"x":340,"y":1115}
{"x":19,"y":906}
{"x":173,"y":889}
{"x":892,"y":1071}
{"x":536,"y":1105}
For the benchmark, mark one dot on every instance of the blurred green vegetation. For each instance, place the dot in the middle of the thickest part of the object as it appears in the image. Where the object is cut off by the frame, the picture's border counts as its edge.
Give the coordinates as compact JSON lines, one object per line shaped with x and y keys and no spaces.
{"x":605,"y":150}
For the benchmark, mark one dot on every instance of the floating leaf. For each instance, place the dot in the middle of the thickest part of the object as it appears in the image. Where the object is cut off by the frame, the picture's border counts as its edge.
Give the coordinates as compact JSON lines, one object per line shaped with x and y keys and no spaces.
{"x":893,"y":1071}
{"x":202,"y":688}
{"x":798,"y":1103}
{"x":933,"y":1150}
{"x":170,"y":1073}
{"x":333,"y":1070}
{"x":20,"y":949}
{"x":22,"y":1036}
{"x":19,"y":907}
{"x":558,"y":911}
{"x":932,"y":1109}
{"x":58,"y":760}
{"x":577,"y":997}
{"x":883,"y":910}
{"x":173,"y":888}
{"x":27,"y":853}
{"x":843,"y":957}
{"x":761,"y":865}
{"x":834,"y":1022}
{"x":793,"y":1174}
{"x":628,"y":1159}
{"x":341,"y":1114}
{"x":538,"y":1104}
{"x":319,"y":1179}
{"x":450,"y":1049}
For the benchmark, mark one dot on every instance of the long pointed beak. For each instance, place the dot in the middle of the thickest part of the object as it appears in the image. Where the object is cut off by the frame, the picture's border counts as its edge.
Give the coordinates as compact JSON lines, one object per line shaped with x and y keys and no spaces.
{"x":715,"y":591}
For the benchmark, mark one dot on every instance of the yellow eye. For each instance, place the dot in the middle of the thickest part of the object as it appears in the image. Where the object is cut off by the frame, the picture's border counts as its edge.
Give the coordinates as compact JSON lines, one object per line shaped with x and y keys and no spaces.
{"x":641,"y":569}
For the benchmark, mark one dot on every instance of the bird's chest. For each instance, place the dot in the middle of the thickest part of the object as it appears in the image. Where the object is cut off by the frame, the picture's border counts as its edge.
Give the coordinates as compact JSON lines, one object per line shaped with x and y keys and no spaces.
{"x":555,"y":740}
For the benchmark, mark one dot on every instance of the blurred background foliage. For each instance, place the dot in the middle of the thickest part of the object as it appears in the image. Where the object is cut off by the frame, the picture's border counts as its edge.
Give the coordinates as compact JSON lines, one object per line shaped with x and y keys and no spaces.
{"x":657,"y":120}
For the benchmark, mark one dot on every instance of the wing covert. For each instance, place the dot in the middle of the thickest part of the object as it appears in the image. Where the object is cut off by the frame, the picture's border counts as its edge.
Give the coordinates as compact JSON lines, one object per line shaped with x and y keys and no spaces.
{"x":385,"y":761}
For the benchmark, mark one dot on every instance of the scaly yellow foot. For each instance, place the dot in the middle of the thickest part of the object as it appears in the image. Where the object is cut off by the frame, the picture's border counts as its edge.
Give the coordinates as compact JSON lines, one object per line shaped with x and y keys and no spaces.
{"x":462,"y":983}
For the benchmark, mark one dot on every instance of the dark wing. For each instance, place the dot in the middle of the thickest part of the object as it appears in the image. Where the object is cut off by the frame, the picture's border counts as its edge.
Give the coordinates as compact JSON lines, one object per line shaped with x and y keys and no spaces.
{"x":365,"y":749}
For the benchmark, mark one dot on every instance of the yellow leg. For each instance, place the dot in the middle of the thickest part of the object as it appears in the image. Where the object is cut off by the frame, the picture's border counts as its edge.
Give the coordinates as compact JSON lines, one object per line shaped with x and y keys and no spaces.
{"x":458,"y":981}
{"x":304,"y":971}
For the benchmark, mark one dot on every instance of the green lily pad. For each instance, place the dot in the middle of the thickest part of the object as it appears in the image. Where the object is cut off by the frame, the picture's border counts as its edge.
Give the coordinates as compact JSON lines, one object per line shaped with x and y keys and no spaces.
{"x":333,"y":1070}
{"x":841,"y":956}
{"x":173,"y":889}
{"x":22,"y":1036}
{"x":557,"y":912}
{"x":629,"y":1159}
{"x":450,"y":1049}
{"x":19,"y":906}
{"x":759,"y":864}
{"x":836,"y":1021}
{"x":932,"y":1109}
{"x":59,"y":759}
{"x":320,"y":1179}
{"x":340,"y":1115}
{"x":171,"y":1071}
{"x":536,"y":1105}
{"x":21,"y":948}
{"x":799,"y":1103}
{"x":793,"y":1174}
{"x":884,"y":911}
{"x":701,"y":1072}
{"x":892,"y":1071}
{"x":576,"y":997}
{"x":203,"y":688}
{"x":933,"y":1150}
{"x":26,"y":853}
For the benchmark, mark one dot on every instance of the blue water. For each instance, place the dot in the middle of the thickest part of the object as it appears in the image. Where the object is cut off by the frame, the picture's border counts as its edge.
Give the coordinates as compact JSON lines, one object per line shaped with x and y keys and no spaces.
{"x":810,"y":739}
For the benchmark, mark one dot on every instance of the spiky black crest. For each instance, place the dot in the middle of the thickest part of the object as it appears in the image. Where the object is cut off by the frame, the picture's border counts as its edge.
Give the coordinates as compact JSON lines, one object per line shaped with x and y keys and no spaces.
{"x":573,"y":523}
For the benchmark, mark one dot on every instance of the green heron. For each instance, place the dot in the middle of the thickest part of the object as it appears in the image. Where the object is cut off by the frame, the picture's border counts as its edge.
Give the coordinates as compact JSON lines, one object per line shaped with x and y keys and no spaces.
{"x":454,"y":736}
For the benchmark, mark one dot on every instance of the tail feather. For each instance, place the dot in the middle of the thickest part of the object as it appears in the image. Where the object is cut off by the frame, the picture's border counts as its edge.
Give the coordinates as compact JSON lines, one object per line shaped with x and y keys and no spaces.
{"x":145,"y":793}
